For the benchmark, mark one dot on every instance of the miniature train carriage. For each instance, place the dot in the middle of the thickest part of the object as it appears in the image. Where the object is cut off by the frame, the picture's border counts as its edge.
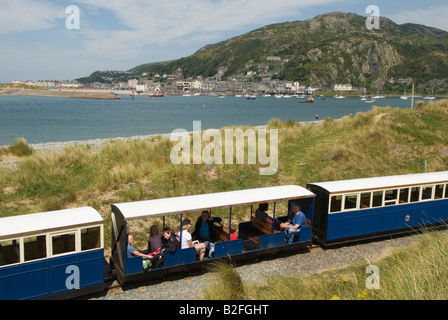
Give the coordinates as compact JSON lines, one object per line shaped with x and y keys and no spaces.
{"x":253,"y":239}
{"x":373,"y":207}
{"x":56,"y":254}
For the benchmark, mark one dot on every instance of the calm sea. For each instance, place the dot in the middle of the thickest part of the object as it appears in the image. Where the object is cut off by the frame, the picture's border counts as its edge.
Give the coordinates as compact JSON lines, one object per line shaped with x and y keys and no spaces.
{"x":42,"y":119}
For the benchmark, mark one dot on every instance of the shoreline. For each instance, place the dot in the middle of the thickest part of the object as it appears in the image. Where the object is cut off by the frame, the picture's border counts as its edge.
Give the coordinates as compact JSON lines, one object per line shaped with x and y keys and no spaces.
{"x":100,"y":142}
{"x":61,"y":93}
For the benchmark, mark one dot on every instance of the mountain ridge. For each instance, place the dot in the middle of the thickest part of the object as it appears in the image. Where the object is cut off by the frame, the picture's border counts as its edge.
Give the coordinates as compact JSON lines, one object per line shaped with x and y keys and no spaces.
{"x":330,"y":48}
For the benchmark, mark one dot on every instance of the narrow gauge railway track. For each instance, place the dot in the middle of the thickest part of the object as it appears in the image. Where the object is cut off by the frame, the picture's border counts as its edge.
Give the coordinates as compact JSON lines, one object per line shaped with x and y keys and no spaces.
{"x":315,"y":259}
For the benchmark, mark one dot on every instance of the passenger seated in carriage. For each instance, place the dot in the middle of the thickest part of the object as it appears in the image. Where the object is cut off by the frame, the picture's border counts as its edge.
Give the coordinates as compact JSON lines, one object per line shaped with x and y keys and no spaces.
{"x":154,"y":241}
{"x":187,"y":241}
{"x":295,"y":223}
{"x":203,"y":229}
{"x":262,"y":215}
{"x":132,"y":253}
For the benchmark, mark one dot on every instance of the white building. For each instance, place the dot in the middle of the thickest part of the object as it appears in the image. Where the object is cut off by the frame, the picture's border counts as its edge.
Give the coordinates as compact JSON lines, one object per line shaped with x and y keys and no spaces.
{"x":273,"y":59}
{"x":343,"y":87}
{"x":132,"y":83}
{"x":141,"y":87}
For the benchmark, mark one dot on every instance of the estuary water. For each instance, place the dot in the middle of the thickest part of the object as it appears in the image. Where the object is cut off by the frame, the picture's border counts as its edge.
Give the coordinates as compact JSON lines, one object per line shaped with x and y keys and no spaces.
{"x":48,"y":119}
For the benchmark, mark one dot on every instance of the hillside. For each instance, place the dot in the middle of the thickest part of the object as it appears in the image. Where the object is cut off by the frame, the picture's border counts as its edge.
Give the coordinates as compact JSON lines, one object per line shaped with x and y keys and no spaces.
{"x":330,"y":48}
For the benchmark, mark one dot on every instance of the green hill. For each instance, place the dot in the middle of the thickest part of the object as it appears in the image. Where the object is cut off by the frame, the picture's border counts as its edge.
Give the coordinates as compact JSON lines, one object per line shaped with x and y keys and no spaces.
{"x":328,"y":49}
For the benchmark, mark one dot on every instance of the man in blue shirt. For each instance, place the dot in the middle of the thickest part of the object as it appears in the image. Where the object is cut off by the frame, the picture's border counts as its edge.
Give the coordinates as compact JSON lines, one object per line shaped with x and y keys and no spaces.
{"x":296,"y":222}
{"x":131,"y":252}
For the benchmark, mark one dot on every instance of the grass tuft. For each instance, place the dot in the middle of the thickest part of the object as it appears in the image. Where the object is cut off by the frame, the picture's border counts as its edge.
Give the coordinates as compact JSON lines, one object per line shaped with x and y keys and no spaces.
{"x":21,"y":148}
{"x":227,"y":284}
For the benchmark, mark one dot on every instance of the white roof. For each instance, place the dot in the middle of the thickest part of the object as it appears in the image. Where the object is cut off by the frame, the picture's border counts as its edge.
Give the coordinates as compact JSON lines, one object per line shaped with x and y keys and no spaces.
{"x":344,"y":186}
{"x":27,"y":224}
{"x":177,"y":205}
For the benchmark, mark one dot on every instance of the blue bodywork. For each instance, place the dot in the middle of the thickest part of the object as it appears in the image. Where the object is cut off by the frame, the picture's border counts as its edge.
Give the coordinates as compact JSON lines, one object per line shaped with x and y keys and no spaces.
{"x":387,"y":219}
{"x":44,"y":278}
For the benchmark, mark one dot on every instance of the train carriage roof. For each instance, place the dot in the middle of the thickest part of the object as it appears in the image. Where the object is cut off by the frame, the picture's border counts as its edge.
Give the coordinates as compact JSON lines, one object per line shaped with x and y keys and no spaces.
{"x":16,"y":226}
{"x":344,"y":186}
{"x":194,"y":203}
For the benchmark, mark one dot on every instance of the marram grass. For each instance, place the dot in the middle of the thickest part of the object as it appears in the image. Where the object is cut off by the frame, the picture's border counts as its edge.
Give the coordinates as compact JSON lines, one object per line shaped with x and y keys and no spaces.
{"x":418,"y":272}
{"x":383,"y":141}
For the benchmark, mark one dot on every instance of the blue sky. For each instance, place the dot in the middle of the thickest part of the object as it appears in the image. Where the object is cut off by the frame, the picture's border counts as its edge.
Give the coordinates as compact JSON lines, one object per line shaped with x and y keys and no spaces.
{"x":118,"y":35}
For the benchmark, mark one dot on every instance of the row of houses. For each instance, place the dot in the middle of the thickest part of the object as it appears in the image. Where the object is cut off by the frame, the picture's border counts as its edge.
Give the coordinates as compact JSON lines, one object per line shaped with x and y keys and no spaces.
{"x":232,"y":86}
{"x":49,"y":84}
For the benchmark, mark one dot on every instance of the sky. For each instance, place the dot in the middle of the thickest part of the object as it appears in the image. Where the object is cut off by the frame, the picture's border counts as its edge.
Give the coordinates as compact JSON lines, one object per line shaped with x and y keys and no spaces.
{"x":41,"y":40}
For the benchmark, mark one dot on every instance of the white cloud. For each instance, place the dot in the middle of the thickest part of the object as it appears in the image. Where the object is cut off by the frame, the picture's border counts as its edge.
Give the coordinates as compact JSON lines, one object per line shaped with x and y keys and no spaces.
{"x":117,"y":34}
{"x":177,"y":21}
{"x":28,"y":15}
{"x":434,"y":16}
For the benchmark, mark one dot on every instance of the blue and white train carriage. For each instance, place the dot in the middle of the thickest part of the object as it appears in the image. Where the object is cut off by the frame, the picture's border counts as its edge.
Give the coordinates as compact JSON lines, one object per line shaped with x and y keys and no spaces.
{"x":254,"y":237}
{"x":56,"y":254}
{"x":351,"y":210}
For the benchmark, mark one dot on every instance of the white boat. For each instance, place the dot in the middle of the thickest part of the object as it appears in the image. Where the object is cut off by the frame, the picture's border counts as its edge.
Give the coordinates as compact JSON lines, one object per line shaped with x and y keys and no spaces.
{"x":267,"y":95}
{"x":429,"y":98}
{"x":404,"y":96}
{"x":301,"y":96}
{"x":279,"y":96}
{"x":364,"y":97}
{"x":238,"y":95}
{"x":370,"y":101}
{"x":338,"y":96}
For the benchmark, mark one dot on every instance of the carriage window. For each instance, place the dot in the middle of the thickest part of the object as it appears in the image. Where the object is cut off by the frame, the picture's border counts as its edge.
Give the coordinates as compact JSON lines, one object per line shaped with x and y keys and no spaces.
{"x":365,"y":200}
{"x":336,"y":204}
{"x":63,"y":243}
{"x":446,"y":191}
{"x":390,"y":197}
{"x":9,"y":252}
{"x":439,"y":191}
{"x":350,"y":201}
{"x":404,"y":195}
{"x":415,"y":194}
{"x":35,"y":248}
{"x":427,"y":193}
{"x":377,"y":199}
{"x":90,"y":238}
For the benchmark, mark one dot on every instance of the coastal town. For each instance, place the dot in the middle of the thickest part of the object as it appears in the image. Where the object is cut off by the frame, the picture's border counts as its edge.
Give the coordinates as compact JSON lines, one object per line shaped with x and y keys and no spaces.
{"x":257,"y":78}
{"x":176,"y":84}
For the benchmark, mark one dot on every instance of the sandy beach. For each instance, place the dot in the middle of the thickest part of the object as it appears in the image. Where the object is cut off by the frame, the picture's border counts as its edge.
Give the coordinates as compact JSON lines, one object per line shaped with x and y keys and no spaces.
{"x":61,"y":93}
